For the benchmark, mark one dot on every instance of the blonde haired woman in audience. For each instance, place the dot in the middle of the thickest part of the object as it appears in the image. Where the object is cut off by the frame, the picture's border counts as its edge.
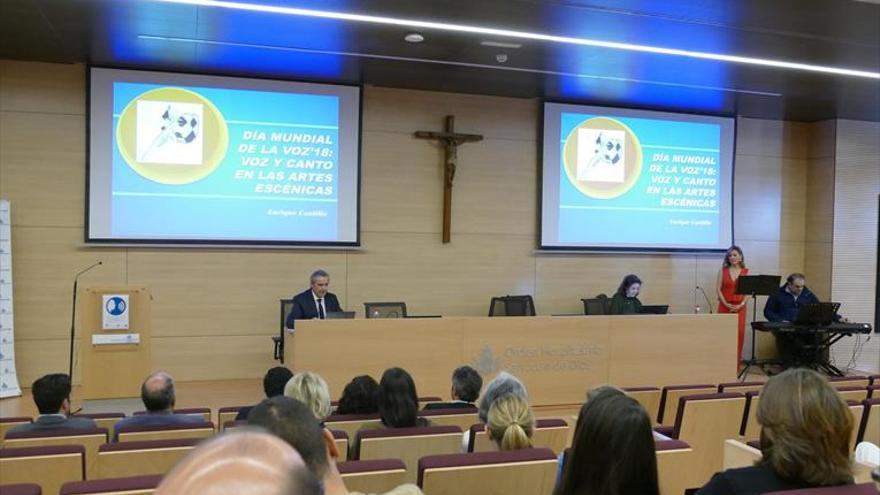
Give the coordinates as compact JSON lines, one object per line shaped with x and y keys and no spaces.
{"x":511,"y":423}
{"x":805,"y":431}
{"x":310,"y":389}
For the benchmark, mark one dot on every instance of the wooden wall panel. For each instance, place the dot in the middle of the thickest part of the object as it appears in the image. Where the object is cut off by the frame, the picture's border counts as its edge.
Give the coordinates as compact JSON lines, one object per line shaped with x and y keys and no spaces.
{"x":214,"y":308}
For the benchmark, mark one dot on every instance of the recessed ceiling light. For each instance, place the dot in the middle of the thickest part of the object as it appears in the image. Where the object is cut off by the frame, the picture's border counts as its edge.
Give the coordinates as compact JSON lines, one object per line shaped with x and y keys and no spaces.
{"x":525,"y":35}
{"x":414,"y":38}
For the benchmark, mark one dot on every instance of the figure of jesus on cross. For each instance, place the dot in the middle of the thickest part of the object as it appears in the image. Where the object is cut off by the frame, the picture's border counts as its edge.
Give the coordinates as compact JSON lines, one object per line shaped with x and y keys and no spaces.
{"x":450,"y":142}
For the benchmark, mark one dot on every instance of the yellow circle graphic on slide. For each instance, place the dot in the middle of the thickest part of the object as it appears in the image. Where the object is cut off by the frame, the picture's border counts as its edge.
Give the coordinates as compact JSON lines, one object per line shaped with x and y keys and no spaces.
{"x":172,"y":136}
{"x":602,"y":158}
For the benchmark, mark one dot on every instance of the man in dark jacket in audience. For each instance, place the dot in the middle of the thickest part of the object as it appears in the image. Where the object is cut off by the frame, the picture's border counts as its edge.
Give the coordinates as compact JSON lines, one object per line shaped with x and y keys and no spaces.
{"x":466,"y":385}
{"x":157,"y":392}
{"x":273,"y":385}
{"x":52,"y":397}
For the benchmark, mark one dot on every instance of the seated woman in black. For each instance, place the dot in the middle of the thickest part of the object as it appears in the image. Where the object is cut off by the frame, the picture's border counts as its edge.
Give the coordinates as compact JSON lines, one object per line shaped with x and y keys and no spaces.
{"x":805,"y":431}
{"x":625,"y":300}
{"x":398,"y":401}
{"x":612,"y":451}
{"x":359,"y":396}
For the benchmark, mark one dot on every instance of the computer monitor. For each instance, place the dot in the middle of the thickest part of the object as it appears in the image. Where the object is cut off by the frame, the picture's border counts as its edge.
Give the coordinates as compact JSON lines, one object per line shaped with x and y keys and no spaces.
{"x":658,"y":309}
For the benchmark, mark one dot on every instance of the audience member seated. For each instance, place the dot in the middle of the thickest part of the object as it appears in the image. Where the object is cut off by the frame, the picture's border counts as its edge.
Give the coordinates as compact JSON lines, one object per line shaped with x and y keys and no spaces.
{"x":157,"y":393}
{"x":805,"y":432}
{"x":241,"y":462}
{"x":310,"y":389}
{"x":466,"y":385}
{"x":52,"y":397}
{"x":294,"y":423}
{"x":511,"y":423}
{"x":612,"y":450}
{"x":503,"y":384}
{"x":273,"y":385}
{"x":359,"y":396}
{"x":398,"y":401}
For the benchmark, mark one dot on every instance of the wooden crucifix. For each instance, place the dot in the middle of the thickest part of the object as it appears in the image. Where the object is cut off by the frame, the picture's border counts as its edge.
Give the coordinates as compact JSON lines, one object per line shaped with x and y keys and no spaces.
{"x":450,"y":142}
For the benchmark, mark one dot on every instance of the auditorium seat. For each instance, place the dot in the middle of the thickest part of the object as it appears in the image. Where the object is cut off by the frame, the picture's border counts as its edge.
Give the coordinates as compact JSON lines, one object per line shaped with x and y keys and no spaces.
{"x":874,"y":391}
{"x":423,"y":401}
{"x":705,"y":421}
{"x":21,"y":489}
{"x":648,"y":397}
{"x":869,"y":429}
{"x":849,"y":381}
{"x":165,"y":432}
{"x":91,"y":439}
{"x":204,"y":412}
{"x":855,"y":392}
{"x":741,"y":387}
{"x":669,"y":400}
{"x":234,"y":424}
{"x":118,"y":460}
{"x":50,"y":467}
{"x":874,"y":379}
{"x":10,"y":422}
{"x":738,"y":454}
{"x":104,"y":420}
{"x":350,"y":423}
{"x":860,"y":489}
{"x":374,"y":476}
{"x":857,"y":408}
{"x":461,"y":417}
{"x":674,"y":472}
{"x":226,"y":414}
{"x":515,"y":472}
{"x":750,"y":430}
{"x":407,"y":444}
{"x":135,"y":485}
{"x":550,"y":434}
{"x":340,"y":438}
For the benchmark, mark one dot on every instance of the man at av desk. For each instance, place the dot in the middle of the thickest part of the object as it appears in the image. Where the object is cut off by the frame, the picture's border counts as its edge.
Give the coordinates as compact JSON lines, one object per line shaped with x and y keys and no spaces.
{"x":314,"y":302}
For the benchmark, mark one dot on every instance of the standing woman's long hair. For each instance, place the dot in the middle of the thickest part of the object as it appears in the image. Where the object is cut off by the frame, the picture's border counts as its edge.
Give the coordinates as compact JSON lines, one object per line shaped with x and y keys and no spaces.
{"x":397,"y":399}
{"x":613,"y":450}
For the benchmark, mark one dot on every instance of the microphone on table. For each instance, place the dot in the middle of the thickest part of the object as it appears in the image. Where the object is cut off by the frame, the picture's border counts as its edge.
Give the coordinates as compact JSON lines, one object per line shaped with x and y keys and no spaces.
{"x":73,"y":317}
{"x":708,"y":304}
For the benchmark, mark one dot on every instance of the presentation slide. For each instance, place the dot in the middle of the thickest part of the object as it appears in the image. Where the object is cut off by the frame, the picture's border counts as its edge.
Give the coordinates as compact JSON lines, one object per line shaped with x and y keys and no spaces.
{"x":636,"y":180}
{"x":193,"y":159}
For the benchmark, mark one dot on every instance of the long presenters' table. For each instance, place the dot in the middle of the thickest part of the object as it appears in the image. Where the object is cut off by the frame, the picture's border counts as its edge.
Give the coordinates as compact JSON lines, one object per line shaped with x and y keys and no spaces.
{"x":558,"y":358}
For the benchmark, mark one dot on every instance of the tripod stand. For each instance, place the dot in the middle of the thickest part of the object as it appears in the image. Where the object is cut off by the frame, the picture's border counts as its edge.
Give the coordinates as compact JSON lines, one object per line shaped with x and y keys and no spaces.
{"x":754,"y":286}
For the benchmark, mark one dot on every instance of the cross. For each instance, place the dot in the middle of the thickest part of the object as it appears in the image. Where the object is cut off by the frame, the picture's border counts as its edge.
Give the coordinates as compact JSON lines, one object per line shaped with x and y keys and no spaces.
{"x":450,"y":142}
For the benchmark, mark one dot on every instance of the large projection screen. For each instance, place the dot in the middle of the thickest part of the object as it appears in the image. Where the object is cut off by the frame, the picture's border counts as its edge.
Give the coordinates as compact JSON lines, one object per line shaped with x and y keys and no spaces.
{"x":623,"y":179}
{"x":194,"y":159}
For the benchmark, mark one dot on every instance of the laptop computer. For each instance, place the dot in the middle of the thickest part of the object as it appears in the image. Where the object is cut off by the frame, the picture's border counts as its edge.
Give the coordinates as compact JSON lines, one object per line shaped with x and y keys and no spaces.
{"x":339,"y":315}
{"x":656,"y":309}
{"x":821,"y":313}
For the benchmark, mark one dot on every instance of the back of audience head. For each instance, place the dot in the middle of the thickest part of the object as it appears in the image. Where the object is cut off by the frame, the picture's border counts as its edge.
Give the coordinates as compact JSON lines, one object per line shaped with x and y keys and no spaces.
{"x":275,"y":380}
{"x":359,"y":396}
{"x":397,"y":399}
{"x":310,"y":389}
{"x":805,"y":428}
{"x":466,"y":384}
{"x":613,"y":449}
{"x":511,"y":423}
{"x":295,"y":423}
{"x":244,"y":462}
{"x":503,"y":384}
{"x":157,"y":392}
{"x":52,"y":393}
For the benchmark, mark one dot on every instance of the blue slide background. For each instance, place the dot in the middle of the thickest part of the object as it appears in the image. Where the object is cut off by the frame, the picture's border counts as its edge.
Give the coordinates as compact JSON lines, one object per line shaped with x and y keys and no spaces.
{"x":637,"y":217}
{"x":219,"y":206}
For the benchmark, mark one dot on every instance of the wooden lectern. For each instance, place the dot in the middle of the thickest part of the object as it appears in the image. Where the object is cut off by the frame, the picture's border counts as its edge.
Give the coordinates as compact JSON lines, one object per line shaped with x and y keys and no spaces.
{"x":114,"y":362}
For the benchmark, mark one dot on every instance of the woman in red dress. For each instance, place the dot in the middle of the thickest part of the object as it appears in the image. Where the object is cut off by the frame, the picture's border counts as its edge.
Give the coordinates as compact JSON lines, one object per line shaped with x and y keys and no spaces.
{"x":728,"y":300}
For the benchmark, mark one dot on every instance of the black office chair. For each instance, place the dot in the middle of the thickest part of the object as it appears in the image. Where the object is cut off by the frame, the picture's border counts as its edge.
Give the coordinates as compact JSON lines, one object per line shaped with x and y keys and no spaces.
{"x":385,"y":309}
{"x":597,"y":305}
{"x":278,"y":340}
{"x":512,"y":306}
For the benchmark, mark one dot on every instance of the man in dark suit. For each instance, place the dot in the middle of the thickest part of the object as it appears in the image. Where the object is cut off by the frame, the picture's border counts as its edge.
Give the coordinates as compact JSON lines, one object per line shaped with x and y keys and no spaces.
{"x":157,"y":392}
{"x":52,"y":397}
{"x":314,"y":302}
{"x":273,"y":385}
{"x":466,"y":385}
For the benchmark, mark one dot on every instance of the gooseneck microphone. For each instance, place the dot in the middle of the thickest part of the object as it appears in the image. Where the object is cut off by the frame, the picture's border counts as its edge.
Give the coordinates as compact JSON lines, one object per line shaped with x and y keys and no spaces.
{"x":73,"y":317}
{"x":708,"y":304}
